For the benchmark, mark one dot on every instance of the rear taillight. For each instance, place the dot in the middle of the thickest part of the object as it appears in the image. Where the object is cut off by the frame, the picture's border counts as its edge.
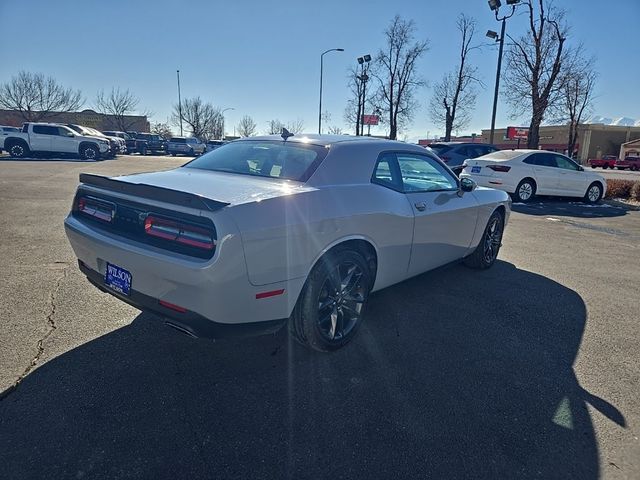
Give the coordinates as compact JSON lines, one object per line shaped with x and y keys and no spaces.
{"x":96,"y":209}
{"x":499,"y":168}
{"x":179,"y":232}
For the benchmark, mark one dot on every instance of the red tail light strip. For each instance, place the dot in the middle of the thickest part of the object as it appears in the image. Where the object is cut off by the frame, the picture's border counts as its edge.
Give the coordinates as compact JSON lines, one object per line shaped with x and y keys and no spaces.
{"x":172,"y":306}
{"x":499,"y":168}
{"x":272,"y":293}
{"x":99,"y":210}
{"x":179,"y":232}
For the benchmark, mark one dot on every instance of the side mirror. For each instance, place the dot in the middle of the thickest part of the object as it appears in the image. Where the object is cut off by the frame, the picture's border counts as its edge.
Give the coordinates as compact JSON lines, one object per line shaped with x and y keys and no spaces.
{"x":466,"y":185}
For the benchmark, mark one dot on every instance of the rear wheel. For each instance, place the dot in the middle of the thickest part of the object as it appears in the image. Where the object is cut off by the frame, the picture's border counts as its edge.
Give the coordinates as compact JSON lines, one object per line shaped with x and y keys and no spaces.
{"x":332,"y":303}
{"x":18,"y":150}
{"x":525,"y":191}
{"x":594,"y":193}
{"x":487,"y":250}
{"x":605,"y":166}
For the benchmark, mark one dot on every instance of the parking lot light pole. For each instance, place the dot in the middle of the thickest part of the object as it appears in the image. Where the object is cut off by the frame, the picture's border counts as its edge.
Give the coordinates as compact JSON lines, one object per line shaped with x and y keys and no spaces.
{"x":494,"y":5}
{"x":179,"y":102}
{"x":320,"y":103}
{"x":222,"y":113}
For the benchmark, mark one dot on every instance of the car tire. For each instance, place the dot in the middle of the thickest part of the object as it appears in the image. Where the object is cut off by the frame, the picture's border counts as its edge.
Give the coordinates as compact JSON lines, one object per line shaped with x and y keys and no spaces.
{"x":173,"y":154}
{"x":333,"y":301}
{"x":525,"y":191}
{"x":143,"y":151}
{"x":89,"y":152}
{"x":487,"y":250}
{"x":593,"y":194}
{"x":192,"y":153}
{"x":605,"y":166}
{"x":18,"y":150}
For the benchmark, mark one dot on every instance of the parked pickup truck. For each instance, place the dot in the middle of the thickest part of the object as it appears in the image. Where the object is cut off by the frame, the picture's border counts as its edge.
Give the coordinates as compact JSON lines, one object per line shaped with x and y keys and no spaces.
{"x":53,"y":138}
{"x":632,"y":163}
{"x":607,"y":161}
{"x":149,"y":143}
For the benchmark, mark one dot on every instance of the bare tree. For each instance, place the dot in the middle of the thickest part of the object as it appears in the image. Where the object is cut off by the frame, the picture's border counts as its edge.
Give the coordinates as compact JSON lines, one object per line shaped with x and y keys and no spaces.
{"x":334,"y":130}
{"x":356,"y":105}
{"x":162,"y":129}
{"x":202,"y":118}
{"x":454,"y":97}
{"x":533,"y":77}
{"x":118,"y":105}
{"x":295,"y":126}
{"x":578,"y":95}
{"x":247,"y":127}
{"x":396,"y":73}
{"x":36,"y":97}
{"x":274,"y":127}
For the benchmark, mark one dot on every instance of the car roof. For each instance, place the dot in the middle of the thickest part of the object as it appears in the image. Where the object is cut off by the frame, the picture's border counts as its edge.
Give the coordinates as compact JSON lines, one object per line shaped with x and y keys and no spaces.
{"x":325,"y":140}
{"x":456,"y":144}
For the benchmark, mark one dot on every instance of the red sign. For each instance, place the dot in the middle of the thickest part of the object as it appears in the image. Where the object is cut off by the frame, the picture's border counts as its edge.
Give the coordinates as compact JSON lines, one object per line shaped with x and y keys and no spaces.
{"x":517,"y":133}
{"x":370,"y":119}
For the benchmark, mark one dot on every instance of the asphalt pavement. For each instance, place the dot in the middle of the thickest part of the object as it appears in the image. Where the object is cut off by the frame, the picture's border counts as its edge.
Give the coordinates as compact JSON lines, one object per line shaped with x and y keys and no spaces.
{"x":527,"y":370}
{"x":619,"y":174}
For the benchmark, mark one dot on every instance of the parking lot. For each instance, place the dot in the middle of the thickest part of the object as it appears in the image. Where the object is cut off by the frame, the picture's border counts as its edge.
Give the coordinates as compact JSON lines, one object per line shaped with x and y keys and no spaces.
{"x":530,"y":369}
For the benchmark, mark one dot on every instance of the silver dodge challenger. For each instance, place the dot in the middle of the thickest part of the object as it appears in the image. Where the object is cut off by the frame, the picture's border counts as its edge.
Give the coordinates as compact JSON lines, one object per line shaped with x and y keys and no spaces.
{"x":275,"y":230}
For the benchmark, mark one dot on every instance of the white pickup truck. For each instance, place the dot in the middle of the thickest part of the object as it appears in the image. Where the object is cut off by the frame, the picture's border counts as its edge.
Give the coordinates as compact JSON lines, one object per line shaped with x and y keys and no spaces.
{"x":53,"y":138}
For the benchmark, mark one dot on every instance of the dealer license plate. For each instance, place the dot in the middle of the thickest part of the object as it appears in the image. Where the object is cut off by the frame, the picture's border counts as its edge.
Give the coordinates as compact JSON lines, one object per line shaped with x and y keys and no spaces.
{"x":118,"y":279}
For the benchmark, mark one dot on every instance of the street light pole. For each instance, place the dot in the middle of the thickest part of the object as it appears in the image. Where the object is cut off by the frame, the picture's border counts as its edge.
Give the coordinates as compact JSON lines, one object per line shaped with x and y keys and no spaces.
{"x":320,"y":103}
{"x":495,"y":5}
{"x":179,"y":102}
{"x":495,"y":93}
{"x":363,"y":77}
{"x":222,"y":113}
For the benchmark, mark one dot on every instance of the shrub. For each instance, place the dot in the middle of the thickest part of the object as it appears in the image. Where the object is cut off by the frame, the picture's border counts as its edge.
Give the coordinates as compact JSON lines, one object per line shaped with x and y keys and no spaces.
{"x":617,"y":188}
{"x":635,"y":191}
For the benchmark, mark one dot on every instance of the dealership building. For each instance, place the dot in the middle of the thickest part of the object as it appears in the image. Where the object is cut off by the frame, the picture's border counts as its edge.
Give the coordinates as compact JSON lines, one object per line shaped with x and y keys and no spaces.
{"x":594,"y":140}
{"x":86,"y":118}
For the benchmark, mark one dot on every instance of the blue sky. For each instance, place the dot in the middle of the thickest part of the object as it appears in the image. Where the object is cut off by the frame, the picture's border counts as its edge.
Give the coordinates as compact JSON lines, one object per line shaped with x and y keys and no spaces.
{"x":262,"y":58}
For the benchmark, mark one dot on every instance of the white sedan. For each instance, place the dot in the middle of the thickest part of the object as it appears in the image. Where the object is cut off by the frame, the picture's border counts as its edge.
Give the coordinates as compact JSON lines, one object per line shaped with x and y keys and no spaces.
{"x":526,"y":173}
{"x":268,"y":230}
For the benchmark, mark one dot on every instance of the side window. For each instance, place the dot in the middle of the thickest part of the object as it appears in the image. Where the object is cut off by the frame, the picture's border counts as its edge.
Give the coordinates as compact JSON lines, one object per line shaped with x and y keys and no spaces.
{"x":45,"y":130}
{"x":565,"y":163}
{"x":424,"y":174}
{"x":386,"y":172}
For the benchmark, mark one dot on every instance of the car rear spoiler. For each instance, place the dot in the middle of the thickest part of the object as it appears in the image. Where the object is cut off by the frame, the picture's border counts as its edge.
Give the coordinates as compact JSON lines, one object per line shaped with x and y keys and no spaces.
{"x":153,"y":192}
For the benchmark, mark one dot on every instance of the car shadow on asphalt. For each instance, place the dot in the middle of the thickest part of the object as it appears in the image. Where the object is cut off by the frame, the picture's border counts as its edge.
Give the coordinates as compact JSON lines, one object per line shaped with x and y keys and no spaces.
{"x":560,"y":207}
{"x":455,"y":374}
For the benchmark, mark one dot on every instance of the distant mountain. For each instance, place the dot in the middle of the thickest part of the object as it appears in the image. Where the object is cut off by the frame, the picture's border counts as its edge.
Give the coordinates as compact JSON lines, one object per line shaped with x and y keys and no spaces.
{"x":621,"y":121}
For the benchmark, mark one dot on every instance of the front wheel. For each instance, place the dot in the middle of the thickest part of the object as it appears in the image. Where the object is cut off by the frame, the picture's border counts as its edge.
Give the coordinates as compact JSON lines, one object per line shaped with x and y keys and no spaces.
{"x":487,"y":250}
{"x":594,"y":193}
{"x":89,"y":152}
{"x":333,"y":301}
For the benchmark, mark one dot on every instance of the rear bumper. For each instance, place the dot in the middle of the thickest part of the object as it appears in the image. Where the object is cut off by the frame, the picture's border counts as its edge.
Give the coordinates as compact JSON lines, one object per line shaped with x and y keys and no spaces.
{"x":190,"y":323}
{"x":216,"y":293}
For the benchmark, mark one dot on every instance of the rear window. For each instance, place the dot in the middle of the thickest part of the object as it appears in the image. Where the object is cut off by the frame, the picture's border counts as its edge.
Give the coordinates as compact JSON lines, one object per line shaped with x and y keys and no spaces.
{"x":178,"y":140}
{"x":439,"y":149}
{"x":292,"y":160}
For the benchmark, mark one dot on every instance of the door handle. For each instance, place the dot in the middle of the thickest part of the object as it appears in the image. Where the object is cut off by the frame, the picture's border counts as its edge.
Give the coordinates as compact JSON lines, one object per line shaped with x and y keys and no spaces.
{"x":420,"y":206}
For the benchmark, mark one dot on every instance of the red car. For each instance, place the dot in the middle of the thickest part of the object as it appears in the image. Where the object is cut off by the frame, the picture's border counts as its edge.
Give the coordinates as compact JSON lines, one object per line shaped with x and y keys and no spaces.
{"x":607,"y":161}
{"x":632,"y":163}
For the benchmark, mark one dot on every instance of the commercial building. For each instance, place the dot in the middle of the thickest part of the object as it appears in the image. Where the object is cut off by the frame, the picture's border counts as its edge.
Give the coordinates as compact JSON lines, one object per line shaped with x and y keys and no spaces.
{"x":594,"y":140}
{"x":630,"y":149}
{"x":87,"y":118}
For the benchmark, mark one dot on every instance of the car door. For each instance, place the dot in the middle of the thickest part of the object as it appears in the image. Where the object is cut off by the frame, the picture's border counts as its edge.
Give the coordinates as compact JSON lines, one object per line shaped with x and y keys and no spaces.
{"x":65,"y":141}
{"x":571,"y":179}
{"x":444,"y":221}
{"x":545,"y":172}
{"x":40,"y":137}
